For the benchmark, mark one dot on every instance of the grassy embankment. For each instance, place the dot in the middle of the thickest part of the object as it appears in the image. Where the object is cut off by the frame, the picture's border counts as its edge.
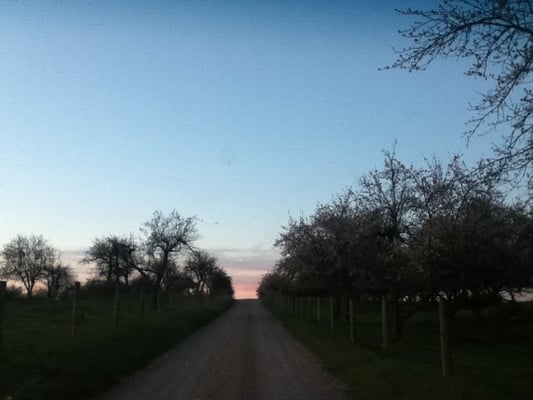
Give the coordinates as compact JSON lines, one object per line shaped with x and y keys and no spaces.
{"x":493,"y":356}
{"x":40,"y":360}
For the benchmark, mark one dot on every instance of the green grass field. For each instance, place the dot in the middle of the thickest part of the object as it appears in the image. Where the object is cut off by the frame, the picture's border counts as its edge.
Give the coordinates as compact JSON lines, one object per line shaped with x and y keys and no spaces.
{"x":493,"y":356}
{"x":39,"y":358}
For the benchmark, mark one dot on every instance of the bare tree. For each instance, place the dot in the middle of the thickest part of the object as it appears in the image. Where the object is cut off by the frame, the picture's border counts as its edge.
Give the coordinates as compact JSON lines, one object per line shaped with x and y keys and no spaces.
{"x":26,"y":259}
{"x":307,"y":256}
{"x":114,"y":258}
{"x":340,"y":225}
{"x":166,"y":236}
{"x":201,"y":266}
{"x":470,"y":243}
{"x":498,"y":37}
{"x":179,"y":281}
{"x":389,"y":195}
{"x":58,"y":277}
{"x":389,"y":192}
{"x":220,"y":283}
{"x":273,"y":282}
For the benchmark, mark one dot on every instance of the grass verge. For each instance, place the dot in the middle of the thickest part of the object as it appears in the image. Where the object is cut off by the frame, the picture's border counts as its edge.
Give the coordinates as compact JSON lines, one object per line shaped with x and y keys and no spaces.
{"x":493,"y":356}
{"x":40,"y":359}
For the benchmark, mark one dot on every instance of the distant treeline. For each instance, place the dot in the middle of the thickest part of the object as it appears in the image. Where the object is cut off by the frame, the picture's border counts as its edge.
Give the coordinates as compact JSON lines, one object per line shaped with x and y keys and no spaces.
{"x":162,"y":259}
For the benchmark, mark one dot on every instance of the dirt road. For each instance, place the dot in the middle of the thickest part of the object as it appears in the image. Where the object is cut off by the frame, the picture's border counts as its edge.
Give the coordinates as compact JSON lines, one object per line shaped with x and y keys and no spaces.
{"x":244,"y":354}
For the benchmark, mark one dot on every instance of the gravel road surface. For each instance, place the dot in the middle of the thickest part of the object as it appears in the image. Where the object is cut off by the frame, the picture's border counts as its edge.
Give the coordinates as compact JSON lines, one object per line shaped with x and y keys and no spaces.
{"x":243,"y":354}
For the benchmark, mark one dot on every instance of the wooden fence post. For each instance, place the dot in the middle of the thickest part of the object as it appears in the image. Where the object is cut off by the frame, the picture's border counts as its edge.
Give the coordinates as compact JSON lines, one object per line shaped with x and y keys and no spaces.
{"x":445,"y":347}
{"x":385,"y":323}
{"x":331,"y":316}
{"x":75,"y":290}
{"x":352,"y":327}
{"x":3,"y":285}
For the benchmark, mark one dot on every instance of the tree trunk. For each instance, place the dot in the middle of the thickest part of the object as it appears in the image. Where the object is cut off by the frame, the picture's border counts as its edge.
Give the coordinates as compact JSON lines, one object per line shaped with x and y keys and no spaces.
{"x":49,"y":291}
{"x":445,"y":345}
{"x":385,"y":323}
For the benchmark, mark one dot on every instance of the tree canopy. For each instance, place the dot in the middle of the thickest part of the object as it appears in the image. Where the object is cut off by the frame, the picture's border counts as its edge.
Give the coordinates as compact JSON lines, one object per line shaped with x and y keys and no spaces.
{"x":30,"y":259}
{"x":114,"y":257}
{"x":409,"y":235}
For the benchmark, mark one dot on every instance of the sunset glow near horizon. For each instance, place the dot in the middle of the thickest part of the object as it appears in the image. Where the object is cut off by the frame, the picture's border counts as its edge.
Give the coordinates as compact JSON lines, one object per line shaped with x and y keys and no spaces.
{"x":241,"y":113}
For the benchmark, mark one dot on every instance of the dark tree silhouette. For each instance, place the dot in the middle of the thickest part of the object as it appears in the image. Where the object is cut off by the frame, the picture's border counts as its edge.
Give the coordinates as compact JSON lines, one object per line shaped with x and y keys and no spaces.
{"x":58,"y":277}
{"x":207,"y":276}
{"x":114,"y":258}
{"x":408,"y":236}
{"x":220,"y":283}
{"x":26,"y":258}
{"x":166,"y":236}
{"x":201,"y":266}
{"x":389,"y":194}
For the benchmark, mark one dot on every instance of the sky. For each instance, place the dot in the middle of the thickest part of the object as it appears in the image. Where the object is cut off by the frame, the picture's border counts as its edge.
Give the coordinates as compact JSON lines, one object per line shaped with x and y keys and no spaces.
{"x":242,"y":113}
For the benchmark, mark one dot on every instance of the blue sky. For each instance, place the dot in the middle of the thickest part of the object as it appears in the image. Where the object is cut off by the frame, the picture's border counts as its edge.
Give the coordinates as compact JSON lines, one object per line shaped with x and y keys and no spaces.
{"x":240,"y":112}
